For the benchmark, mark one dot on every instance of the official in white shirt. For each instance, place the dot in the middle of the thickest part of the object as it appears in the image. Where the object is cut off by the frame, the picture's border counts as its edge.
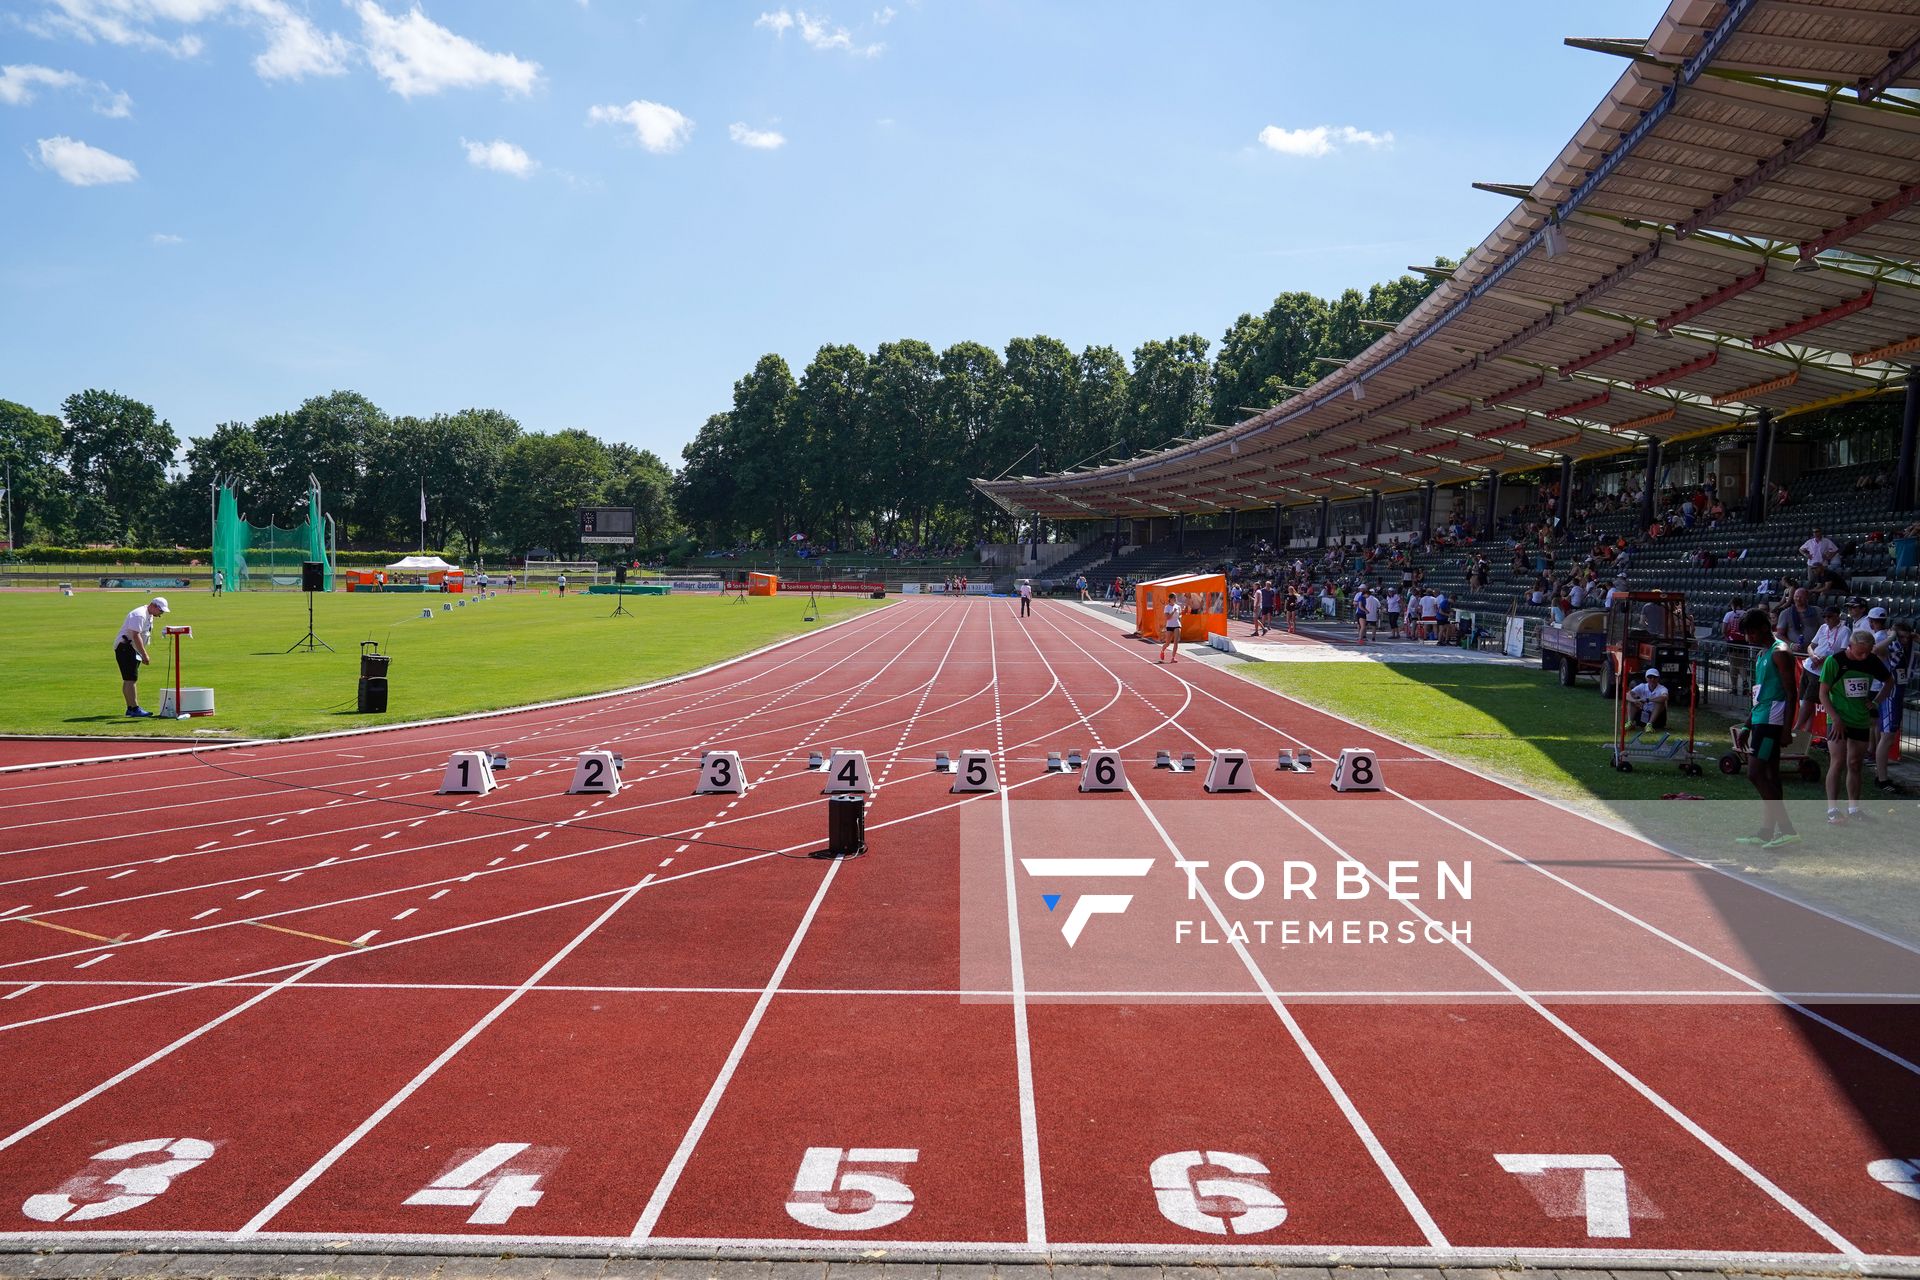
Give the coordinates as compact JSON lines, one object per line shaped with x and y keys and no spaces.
{"x":1649,"y":700}
{"x":130,"y":651}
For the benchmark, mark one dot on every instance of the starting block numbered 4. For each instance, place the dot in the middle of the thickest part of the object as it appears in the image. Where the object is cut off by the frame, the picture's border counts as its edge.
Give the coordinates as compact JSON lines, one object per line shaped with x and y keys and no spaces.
{"x":594,"y":774}
{"x":975,"y":773}
{"x":1357,"y":769}
{"x":469,"y":773}
{"x":1229,"y":771}
{"x":847,"y":774}
{"x":720,"y":774}
{"x":1104,"y":772}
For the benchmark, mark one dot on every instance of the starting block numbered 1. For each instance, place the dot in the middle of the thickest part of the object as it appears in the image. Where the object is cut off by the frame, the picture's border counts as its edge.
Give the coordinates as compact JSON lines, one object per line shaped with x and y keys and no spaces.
{"x":720,"y":774}
{"x":594,"y":774}
{"x":1229,"y":771}
{"x":1357,"y":769}
{"x":469,"y":773}
{"x":1105,"y":771}
{"x":975,"y":773}
{"x":847,"y":774}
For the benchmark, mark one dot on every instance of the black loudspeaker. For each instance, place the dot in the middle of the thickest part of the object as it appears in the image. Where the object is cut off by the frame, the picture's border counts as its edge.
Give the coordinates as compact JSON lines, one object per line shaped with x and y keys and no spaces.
{"x":313,"y":575}
{"x":846,"y":827}
{"x":620,"y":572}
{"x":373,"y":695}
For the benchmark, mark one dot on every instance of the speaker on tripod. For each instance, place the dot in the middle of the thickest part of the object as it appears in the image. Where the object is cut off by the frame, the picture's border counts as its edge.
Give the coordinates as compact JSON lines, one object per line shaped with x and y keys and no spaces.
{"x":313,"y":578}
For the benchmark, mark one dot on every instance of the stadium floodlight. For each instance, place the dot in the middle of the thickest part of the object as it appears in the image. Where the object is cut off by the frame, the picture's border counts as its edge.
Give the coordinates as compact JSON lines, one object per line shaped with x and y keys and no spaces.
{"x":1556,"y":240}
{"x":1809,"y":263}
{"x":1359,"y":391}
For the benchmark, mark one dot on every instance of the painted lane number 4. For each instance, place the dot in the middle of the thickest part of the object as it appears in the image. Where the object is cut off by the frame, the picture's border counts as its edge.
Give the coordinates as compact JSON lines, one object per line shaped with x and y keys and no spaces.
{"x":838,"y":1188}
{"x":482,"y":1183}
{"x":83,"y":1197}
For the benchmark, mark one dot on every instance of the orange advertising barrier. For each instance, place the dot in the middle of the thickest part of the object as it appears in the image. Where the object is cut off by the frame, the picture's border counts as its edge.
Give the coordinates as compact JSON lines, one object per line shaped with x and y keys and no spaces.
{"x":1203,"y":601}
{"x":763,"y":584}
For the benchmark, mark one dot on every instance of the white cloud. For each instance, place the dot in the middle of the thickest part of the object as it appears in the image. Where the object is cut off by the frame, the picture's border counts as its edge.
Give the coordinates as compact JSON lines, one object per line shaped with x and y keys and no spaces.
{"x":167,"y":238}
{"x":820,"y":33}
{"x":1320,"y":140}
{"x":295,"y":47}
{"x":18,"y":85}
{"x":883,"y":16}
{"x":656,"y":126}
{"x":758,"y":139}
{"x":83,"y":166}
{"x":416,"y":55}
{"x":500,"y":156}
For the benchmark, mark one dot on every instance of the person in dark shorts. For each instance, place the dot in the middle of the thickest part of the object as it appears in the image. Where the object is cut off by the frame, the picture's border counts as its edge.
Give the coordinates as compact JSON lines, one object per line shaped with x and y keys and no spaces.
{"x":1769,"y":727}
{"x":1853,"y":683}
{"x":130,"y":651}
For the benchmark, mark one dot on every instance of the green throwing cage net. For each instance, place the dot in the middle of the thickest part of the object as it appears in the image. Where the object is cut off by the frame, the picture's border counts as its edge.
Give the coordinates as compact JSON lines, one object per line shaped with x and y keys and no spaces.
{"x":264,"y":557}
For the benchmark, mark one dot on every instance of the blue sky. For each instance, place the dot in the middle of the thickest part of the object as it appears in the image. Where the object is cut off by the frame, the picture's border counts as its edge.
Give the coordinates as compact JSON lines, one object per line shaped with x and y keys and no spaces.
{"x":598,"y":214}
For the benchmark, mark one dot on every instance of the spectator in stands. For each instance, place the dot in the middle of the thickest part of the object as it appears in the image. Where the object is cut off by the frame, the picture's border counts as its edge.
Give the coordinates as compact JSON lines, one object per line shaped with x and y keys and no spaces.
{"x":1899,"y":655}
{"x":1847,"y":682}
{"x":1798,"y":620}
{"x":1730,"y":621}
{"x":1767,"y":728}
{"x":1577,"y":595}
{"x":1828,"y":640}
{"x":1615,"y":590}
{"x":1648,"y":701}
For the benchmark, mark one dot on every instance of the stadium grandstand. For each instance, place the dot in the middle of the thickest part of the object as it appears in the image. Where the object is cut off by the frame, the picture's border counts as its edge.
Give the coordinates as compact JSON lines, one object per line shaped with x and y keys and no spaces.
{"x":1641,"y":354}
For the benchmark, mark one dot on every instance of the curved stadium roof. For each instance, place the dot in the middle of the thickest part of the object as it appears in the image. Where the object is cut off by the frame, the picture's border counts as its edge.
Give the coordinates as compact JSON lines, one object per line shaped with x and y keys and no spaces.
{"x":1734,"y":228}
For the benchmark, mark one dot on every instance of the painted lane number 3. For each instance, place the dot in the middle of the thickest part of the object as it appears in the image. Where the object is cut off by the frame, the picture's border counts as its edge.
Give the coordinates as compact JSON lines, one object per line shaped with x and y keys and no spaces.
{"x":840,"y":1189}
{"x":95,"y":1193}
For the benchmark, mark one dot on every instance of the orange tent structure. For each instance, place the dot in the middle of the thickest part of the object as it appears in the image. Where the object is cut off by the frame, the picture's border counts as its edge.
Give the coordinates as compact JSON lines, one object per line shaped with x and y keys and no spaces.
{"x":763,"y":584}
{"x":1203,"y":600}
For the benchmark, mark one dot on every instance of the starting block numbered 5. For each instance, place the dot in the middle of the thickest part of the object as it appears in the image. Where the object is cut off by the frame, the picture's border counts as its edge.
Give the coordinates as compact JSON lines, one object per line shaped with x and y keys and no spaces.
{"x":1105,"y":771}
{"x":847,"y":774}
{"x":975,"y":773}
{"x":1357,"y":769}
{"x":469,"y":773}
{"x":1229,"y":771}
{"x":594,"y":774}
{"x":720,"y":774}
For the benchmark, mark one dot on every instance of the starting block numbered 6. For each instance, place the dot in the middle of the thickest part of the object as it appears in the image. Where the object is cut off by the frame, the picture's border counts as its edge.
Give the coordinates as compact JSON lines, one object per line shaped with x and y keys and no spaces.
{"x":1229,"y":771}
{"x":1357,"y":769}
{"x":469,"y":773}
{"x":847,"y":774}
{"x":1105,"y":771}
{"x":975,"y":773}
{"x":720,"y":774}
{"x":594,"y":774}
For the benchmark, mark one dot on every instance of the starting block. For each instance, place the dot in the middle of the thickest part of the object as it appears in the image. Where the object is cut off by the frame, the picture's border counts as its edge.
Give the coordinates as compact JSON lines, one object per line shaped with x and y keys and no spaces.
{"x":1053,"y":762}
{"x":815,"y":761}
{"x":1105,"y":771}
{"x":594,"y":775}
{"x":469,"y":773}
{"x":1073,"y":760}
{"x":1186,"y":762}
{"x":1357,"y":769}
{"x":847,"y":774}
{"x":1285,"y":761}
{"x":1304,"y":760}
{"x":942,"y":762}
{"x":619,"y":761}
{"x":1163,"y":759}
{"x":499,"y":762}
{"x":1229,"y":771}
{"x":975,"y":773}
{"x":720,"y":774}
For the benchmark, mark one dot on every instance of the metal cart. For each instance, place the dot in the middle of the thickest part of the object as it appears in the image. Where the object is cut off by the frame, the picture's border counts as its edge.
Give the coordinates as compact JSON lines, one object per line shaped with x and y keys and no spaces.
{"x":1650,"y":628}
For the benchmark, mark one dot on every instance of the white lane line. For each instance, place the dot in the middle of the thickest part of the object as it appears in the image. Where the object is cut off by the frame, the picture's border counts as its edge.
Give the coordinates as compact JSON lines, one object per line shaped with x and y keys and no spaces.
{"x":357,"y":848}
{"x":365,"y":938}
{"x":121,"y":875}
{"x":404,"y":914}
{"x":88,"y":964}
{"x":68,"y":893}
{"x":208,"y":845}
{"x":15,"y":995}
{"x":251,"y":893}
{"x":517,"y":848}
{"x":294,"y":876}
{"x":497,"y":861}
{"x":236,"y":835}
{"x":439,"y":894}
{"x":210,"y":911}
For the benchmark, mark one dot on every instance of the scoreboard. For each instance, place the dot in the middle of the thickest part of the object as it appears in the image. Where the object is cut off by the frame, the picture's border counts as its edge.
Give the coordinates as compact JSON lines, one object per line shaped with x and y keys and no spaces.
{"x":609,"y":525}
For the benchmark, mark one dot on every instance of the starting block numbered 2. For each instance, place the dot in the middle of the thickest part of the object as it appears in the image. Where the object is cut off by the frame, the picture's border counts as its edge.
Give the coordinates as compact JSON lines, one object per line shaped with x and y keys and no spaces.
{"x":469,"y":773}
{"x":1229,"y":771}
{"x":720,"y":774}
{"x":1357,"y":769}
{"x":975,"y":773}
{"x":847,"y":774}
{"x":1105,"y":771}
{"x":594,"y":774}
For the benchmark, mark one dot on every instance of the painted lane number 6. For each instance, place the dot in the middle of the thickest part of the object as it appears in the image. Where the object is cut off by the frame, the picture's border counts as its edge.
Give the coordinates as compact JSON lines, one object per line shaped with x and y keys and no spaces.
{"x":1192,"y":1193}
{"x":83,"y":1197}
{"x":831,"y":1194}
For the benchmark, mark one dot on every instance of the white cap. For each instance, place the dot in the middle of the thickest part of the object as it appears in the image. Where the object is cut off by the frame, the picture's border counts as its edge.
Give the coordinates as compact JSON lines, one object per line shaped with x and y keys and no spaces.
{"x":1877,"y":614}
{"x":1653,"y":671}
{"x":160,"y":603}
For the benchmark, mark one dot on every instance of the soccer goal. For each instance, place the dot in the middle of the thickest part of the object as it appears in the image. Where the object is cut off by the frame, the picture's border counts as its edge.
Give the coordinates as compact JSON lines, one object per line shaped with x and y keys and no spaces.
{"x":544,"y":573}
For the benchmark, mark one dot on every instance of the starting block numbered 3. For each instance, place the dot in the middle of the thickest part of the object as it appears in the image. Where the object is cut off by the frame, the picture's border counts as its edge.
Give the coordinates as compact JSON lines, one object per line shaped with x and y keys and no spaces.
{"x":469,"y":773}
{"x":594,"y":774}
{"x":1357,"y":769}
{"x":847,"y":774}
{"x":1229,"y":771}
{"x":720,"y":774}
{"x":975,"y":773}
{"x":1104,"y":772}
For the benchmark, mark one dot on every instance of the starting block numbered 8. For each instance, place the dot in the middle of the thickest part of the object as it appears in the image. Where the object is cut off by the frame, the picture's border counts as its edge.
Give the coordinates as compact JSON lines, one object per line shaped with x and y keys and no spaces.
{"x":594,"y":774}
{"x":1229,"y":771}
{"x":1104,"y":772}
{"x":975,"y":773}
{"x":847,"y":774}
{"x":720,"y":774}
{"x":1357,"y":769}
{"x":469,"y":773}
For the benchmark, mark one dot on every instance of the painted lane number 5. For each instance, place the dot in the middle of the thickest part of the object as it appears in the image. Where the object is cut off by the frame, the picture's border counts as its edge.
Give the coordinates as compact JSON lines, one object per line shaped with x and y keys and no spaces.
{"x":838,"y":1188}
{"x":86,"y":1196}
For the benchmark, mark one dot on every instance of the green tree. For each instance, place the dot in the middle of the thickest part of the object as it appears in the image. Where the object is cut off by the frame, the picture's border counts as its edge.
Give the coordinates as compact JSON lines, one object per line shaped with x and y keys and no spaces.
{"x":900,"y":409}
{"x":640,"y":479}
{"x":38,"y":500}
{"x":546,"y":477}
{"x":972,"y":381}
{"x":1167,"y":395}
{"x":769,"y":458}
{"x":1101,"y":419}
{"x":326,"y":438}
{"x":1262,"y":357}
{"x":230,"y":454}
{"x":704,"y":492}
{"x":117,"y":451}
{"x":840,"y":469}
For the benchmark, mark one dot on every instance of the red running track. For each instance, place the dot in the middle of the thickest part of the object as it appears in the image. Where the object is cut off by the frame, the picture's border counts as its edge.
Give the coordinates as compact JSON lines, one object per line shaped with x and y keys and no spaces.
{"x":288,"y":993}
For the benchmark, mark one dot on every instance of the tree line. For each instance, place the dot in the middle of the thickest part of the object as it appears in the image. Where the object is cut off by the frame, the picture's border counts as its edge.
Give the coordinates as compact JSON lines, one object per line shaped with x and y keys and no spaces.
{"x":859,"y":447}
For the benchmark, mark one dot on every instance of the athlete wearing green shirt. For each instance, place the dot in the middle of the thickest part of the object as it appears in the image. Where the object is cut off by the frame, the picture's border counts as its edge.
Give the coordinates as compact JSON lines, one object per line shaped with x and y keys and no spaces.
{"x":1774,"y":672}
{"x":1853,"y":682}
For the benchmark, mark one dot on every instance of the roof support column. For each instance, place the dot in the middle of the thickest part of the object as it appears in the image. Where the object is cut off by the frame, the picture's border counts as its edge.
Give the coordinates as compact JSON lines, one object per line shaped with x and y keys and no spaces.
{"x":1373,"y":521}
{"x":1647,"y":485}
{"x":1279,"y":523}
{"x":1759,"y":463}
{"x":1325,"y":522}
{"x":1233,"y":527}
{"x":1909,"y":429}
{"x":1565,"y":508}
{"x":1426,"y":513}
{"x":1493,"y":503}
{"x":1180,"y":533}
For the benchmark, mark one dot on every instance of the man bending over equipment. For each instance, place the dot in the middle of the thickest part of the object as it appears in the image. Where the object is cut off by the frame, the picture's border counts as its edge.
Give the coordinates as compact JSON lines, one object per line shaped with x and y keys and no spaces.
{"x":130,"y":651}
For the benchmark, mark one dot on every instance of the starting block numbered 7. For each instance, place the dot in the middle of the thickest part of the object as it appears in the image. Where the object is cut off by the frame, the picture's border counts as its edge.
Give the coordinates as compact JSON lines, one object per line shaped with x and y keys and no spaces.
{"x":721,"y":775}
{"x":1229,"y":771}
{"x":847,"y":774}
{"x":1357,"y":769}
{"x":469,"y":773}
{"x":594,"y":774}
